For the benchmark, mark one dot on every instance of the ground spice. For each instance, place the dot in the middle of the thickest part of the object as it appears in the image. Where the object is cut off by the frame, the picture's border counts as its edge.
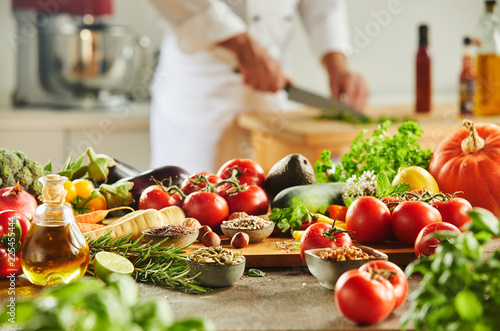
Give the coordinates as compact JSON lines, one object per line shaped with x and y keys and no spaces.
{"x":171,"y":230}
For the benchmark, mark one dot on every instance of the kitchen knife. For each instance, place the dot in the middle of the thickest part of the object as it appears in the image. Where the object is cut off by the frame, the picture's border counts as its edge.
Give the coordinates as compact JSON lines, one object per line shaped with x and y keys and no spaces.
{"x":329,"y":107}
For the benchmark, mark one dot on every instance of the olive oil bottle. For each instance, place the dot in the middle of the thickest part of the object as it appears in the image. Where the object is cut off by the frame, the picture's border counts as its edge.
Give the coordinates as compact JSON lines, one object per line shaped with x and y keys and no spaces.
{"x":487,"y":97}
{"x":54,"y":251}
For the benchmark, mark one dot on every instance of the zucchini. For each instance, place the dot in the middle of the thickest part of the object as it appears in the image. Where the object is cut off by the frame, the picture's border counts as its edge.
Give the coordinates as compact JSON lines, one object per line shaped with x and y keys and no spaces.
{"x":315,"y":197}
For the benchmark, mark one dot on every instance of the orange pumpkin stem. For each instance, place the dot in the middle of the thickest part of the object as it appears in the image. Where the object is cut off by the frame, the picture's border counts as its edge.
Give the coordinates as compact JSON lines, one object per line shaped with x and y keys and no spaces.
{"x":473,"y":142}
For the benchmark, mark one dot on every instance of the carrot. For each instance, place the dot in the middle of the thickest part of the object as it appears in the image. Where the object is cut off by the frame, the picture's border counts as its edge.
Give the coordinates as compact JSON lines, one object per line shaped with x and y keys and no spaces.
{"x":97,"y":216}
{"x":87,"y":227}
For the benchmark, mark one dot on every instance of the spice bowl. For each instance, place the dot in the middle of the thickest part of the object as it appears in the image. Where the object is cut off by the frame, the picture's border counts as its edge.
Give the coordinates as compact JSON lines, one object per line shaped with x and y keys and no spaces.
{"x":328,"y":271}
{"x":257,"y":229}
{"x":213,"y":274}
{"x":178,"y":235}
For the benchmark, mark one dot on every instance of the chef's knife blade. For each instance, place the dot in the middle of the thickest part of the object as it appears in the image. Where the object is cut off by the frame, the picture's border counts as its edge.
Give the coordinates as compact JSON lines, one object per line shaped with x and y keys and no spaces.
{"x":327,"y":106}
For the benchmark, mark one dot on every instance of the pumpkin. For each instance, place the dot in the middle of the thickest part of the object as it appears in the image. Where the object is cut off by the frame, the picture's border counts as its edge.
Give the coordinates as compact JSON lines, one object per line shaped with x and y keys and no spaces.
{"x":468,"y":162}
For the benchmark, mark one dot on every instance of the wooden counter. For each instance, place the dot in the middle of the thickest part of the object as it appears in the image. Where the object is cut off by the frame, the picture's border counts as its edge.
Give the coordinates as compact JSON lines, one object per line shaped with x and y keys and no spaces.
{"x":277,"y":134}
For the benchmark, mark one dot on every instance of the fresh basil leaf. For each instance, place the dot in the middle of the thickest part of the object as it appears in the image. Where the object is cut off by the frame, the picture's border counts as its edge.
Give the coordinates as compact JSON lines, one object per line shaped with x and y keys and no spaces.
{"x":468,"y":306}
{"x":256,"y":273}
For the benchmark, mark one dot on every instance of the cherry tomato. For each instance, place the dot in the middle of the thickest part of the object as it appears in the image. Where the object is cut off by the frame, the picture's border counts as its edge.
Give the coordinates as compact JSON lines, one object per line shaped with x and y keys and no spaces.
{"x":393,"y":274}
{"x":194,"y":183}
{"x":252,"y":200}
{"x":409,"y":217}
{"x":208,"y":208}
{"x":336,"y":211}
{"x":157,"y":198}
{"x":364,"y":299}
{"x":70,"y":190}
{"x":314,"y":237}
{"x":369,"y":220}
{"x":98,"y":203}
{"x":454,"y":211}
{"x":83,"y":187}
{"x":426,"y":244}
{"x":249,"y":171}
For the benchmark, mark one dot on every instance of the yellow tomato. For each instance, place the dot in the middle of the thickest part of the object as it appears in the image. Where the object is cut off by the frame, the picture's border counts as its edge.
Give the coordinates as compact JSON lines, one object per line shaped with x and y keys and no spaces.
{"x":98,"y":203}
{"x":71,"y":191}
{"x":83,"y":187}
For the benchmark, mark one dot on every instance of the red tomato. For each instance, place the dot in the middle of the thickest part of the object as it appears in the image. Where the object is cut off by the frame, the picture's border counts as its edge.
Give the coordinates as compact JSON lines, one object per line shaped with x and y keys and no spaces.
{"x":10,"y":263}
{"x":194,"y":183}
{"x":314,"y":237}
{"x":454,"y":212}
{"x":364,"y":299}
{"x":409,"y":217}
{"x":252,"y":200}
{"x":208,"y":208}
{"x":393,"y":274}
{"x":249,"y":171}
{"x":155,"y":197}
{"x":369,"y":220}
{"x":336,"y":212}
{"x":425,"y":244}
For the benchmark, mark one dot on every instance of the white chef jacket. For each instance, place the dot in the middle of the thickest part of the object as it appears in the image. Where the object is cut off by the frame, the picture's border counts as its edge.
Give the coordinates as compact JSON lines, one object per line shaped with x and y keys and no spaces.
{"x":196,"y":94}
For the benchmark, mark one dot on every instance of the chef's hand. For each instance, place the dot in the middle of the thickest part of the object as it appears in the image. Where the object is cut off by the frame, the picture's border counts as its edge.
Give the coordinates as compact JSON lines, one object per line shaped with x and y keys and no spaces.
{"x":259,"y":69}
{"x":345,"y":85}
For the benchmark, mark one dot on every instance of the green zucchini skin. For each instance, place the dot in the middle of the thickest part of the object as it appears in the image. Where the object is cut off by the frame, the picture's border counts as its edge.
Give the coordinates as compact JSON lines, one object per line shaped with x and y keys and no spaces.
{"x":315,"y":197}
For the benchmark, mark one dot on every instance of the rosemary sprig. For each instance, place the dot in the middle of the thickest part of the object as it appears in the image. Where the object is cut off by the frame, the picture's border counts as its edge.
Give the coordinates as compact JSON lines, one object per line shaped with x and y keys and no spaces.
{"x":155,"y":264}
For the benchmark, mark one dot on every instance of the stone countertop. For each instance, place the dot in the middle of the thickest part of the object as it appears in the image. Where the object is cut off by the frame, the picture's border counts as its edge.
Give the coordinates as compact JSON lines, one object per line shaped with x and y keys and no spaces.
{"x":286,"y":299}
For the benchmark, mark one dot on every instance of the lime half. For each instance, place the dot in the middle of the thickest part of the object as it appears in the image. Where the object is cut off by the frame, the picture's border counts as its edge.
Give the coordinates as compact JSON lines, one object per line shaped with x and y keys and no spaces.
{"x":107,"y":263}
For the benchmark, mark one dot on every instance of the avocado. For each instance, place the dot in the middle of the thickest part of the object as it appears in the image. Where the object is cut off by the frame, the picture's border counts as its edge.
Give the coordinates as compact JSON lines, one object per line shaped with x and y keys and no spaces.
{"x":292,"y":170}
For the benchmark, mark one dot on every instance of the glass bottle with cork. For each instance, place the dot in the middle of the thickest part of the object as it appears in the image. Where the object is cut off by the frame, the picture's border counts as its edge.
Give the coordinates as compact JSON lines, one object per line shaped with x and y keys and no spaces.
{"x":487,"y":97}
{"x":55,"y":250}
{"x":467,"y":79}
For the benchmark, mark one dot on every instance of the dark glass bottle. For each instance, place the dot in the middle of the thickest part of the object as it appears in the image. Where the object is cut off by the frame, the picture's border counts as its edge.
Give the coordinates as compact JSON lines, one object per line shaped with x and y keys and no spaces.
{"x":423,"y":84}
{"x":467,"y":79}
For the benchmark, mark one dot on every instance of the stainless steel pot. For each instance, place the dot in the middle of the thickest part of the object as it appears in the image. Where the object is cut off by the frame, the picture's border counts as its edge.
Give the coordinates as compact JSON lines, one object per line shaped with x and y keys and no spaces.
{"x":87,"y":58}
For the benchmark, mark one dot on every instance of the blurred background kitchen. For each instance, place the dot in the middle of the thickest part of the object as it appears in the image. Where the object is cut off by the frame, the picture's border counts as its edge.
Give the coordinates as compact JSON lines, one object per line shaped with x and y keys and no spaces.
{"x":384,"y":36}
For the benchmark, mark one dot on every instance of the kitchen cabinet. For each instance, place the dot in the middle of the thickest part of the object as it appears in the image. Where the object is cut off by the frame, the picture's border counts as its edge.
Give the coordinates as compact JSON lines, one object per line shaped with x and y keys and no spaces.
{"x":276,"y":134}
{"x":44,"y":134}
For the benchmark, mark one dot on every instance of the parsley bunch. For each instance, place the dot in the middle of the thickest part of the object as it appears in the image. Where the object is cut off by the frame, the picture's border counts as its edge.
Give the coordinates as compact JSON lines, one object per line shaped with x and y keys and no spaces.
{"x":461,"y":282}
{"x":379,"y":153}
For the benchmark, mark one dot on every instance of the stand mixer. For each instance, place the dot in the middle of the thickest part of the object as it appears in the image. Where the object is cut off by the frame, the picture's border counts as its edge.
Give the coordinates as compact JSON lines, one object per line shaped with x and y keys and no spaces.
{"x":70,"y":57}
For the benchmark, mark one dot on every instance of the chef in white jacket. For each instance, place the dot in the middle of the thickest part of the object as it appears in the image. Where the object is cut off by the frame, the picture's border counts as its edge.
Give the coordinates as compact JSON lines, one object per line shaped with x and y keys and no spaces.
{"x":197,"y":93}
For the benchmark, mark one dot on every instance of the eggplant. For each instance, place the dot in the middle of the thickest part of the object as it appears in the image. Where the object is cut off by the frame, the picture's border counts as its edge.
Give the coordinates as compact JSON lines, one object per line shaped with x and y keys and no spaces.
{"x":121,"y":170}
{"x":144,"y":180}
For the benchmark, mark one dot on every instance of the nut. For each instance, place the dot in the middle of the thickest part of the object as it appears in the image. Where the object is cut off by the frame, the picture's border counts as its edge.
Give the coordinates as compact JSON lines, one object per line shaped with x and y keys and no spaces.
{"x":210,"y":239}
{"x":240,"y":240}
{"x":204,"y":229}
{"x":191,"y":223}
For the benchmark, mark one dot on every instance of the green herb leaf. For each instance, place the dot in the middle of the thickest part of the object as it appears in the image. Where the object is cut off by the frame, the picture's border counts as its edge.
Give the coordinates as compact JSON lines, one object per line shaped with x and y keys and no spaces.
{"x":256,"y":273}
{"x":468,"y":306}
{"x":291,"y":218}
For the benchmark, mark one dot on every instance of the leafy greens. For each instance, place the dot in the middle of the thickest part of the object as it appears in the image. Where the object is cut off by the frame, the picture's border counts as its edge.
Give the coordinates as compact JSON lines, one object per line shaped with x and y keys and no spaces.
{"x":379,"y":153}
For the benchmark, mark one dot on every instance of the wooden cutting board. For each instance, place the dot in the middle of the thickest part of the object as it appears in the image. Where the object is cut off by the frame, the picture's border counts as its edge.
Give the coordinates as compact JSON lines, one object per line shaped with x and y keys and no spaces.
{"x":283,"y":252}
